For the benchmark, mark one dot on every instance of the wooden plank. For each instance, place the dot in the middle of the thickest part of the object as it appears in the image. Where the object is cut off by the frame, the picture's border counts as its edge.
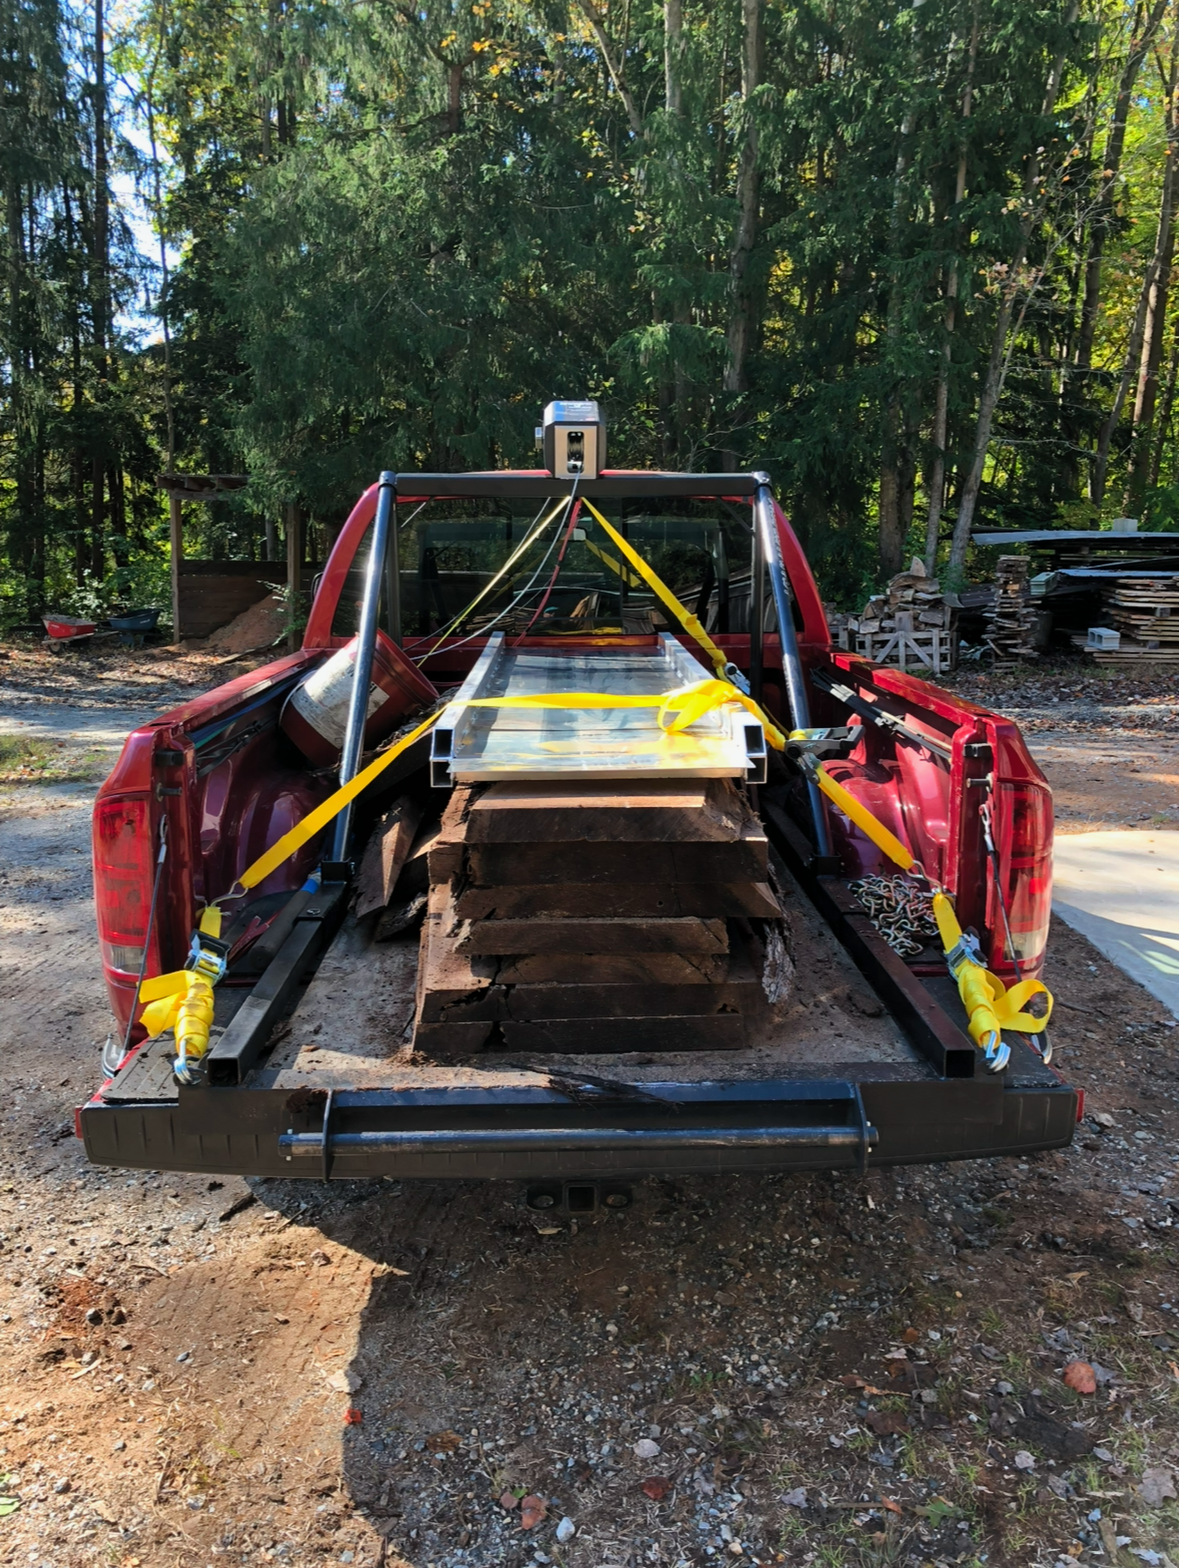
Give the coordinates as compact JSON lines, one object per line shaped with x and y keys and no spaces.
{"x":614,"y":968}
{"x":740,"y":994}
{"x":496,"y":865}
{"x":602,"y":1036}
{"x":447,"y":1042}
{"x":688,"y":934}
{"x":651,"y":811}
{"x":176,"y":544}
{"x":385,"y":854}
{"x":754,"y":900}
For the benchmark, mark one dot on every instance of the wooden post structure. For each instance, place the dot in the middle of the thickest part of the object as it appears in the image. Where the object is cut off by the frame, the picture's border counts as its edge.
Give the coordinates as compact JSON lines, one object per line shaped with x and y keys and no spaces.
{"x":189,"y":487}
{"x":294,"y":520}
{"x":176,"y":542}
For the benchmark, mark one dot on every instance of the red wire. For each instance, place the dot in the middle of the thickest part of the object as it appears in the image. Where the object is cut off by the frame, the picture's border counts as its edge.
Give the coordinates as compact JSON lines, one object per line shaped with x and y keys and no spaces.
{"x":573,"y":516}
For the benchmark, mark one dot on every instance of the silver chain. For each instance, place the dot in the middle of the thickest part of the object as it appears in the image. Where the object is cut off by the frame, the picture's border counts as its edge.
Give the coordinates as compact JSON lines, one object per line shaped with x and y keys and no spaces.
{"x":900,"y":910}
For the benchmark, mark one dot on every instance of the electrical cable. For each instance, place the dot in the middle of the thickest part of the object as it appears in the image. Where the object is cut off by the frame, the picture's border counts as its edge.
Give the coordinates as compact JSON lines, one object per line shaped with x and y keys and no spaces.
{"x":527,"y":589}
{"x":536,"y":528}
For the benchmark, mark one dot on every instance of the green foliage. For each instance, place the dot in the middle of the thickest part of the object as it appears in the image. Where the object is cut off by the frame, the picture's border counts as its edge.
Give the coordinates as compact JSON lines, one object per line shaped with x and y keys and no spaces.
{"x":395,"y":234}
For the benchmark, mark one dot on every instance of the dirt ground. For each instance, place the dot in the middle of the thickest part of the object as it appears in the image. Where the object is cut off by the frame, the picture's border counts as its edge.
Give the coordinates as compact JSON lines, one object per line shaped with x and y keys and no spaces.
{"x":821,"y":1370}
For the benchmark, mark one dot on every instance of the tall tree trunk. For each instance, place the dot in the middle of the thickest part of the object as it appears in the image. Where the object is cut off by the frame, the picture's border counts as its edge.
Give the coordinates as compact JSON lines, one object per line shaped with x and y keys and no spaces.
{"x":742,"y":315}
{"x":1146,"y":394}
{"x":996,"y":363}
{"x":161,"y":232}
{"x":1142,"y":36}
{"x":892,"y":536}
{"x":936,"y":484}
{"x":673,"y":49}
{"x":1162,"y":432}
{"x":1136,"y":348}
{"x":100,"y":283}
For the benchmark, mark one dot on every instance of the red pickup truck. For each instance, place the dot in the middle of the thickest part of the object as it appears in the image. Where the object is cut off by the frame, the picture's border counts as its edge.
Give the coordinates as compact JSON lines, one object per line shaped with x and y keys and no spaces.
{"x":322,"y":1062}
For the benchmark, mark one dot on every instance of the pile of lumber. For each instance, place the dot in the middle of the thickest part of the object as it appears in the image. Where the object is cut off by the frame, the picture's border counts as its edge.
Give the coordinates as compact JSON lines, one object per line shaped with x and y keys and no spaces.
{"x":594,"y":917}
{"x":1011,"y":620}
{"x":913,"y":601}
{"x":912,"y":624}
{"x":1145,"y":611}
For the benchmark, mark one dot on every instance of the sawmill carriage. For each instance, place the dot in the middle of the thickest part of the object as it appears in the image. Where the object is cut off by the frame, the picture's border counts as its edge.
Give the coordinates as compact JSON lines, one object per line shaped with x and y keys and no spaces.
{"x":563,"y":851}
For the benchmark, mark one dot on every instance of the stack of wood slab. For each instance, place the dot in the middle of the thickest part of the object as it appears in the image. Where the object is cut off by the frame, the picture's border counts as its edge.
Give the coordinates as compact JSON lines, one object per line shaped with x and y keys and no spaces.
{"x":1145,"y":611}
{"x":594,"y":917}
{"x":912,"y":623}
{"x":1011,"y":621}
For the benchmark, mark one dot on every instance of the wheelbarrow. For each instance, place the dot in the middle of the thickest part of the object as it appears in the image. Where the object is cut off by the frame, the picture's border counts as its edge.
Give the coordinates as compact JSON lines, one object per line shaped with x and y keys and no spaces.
{"x":68,"y":628}
{"x":134,"y":626}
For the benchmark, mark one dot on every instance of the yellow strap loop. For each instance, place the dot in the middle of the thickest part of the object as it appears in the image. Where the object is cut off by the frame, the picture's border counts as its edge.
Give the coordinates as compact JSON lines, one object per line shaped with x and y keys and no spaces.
{"x":183,"y":1001}
{"x":687,"y":620}
{"x":990,"y":1006}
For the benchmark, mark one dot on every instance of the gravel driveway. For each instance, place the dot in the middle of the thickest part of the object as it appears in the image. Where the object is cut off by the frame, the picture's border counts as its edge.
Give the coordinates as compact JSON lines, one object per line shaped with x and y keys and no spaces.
{"x":819,"y":1370}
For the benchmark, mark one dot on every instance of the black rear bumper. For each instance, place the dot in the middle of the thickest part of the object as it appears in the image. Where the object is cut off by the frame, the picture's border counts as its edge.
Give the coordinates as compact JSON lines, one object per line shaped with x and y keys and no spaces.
{"x":533,"y":1133}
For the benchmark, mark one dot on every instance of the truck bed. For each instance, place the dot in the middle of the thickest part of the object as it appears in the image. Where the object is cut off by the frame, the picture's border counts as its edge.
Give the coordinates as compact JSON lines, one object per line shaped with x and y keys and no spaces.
{"x":835,"y":1051}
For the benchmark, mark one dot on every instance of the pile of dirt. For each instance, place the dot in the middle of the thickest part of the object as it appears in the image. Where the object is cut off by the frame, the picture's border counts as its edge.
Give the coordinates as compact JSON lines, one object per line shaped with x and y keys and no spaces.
{"x":259,"y":626}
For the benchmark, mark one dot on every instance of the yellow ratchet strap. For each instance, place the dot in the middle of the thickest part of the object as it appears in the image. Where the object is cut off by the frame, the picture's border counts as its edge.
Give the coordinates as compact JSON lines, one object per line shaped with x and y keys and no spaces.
{"x":183,"y":1000}
{"x":885,"y":841}
{"x":687,"y":705}
{"x":687,"y":620}
{"x":990,"y":1006}
{"x":331,"y":808}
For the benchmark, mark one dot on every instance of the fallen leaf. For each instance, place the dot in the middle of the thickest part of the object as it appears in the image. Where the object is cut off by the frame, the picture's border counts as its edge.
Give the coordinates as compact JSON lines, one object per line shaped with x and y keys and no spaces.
{"x":548,"y":1230}
{"x":1079,"y":1375}
{"x":851,"y":1381}
{"x":353,"y":1417}
{"x":1156,"y":1485}
{"x":533,"y":1511}
{"x":508,"y":1500}
{"x":1075,"y":1279}
{"x":937,"y":1511}
{"x":655,"y":1487}
{"x":893,"y":1508}
{"x":886,"y":1422}
{"x":910,"y":1336}
{"x":444,"y":1442}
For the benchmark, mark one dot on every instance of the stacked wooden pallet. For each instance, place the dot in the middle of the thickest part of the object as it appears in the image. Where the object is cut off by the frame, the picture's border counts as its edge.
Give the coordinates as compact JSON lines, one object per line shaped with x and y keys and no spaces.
{"x":593,"y":917}
{"x":1145,"y":610}
{"x":912,"y":624}
{"x":1010,"y":623}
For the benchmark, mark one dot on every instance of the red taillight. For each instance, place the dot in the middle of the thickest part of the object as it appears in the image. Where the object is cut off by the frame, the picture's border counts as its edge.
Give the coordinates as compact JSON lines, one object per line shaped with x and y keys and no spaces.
{"x":1023,"y":836}
{"x":123,"y":867}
